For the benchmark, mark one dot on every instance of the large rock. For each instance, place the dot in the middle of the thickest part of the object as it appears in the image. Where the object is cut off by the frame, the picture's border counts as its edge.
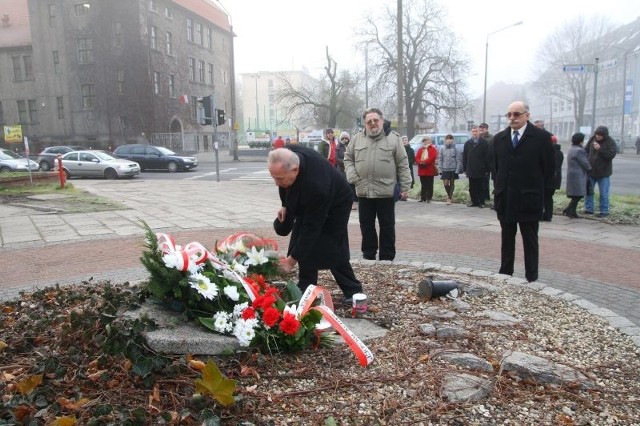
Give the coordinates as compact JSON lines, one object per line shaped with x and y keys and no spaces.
{"x":541,"y":370}
{"x":465,"y":387}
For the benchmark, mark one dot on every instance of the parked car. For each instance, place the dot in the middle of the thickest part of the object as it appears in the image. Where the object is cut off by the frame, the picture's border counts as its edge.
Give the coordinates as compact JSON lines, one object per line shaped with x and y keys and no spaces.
{"x":47,"y":157}
{"x":458,"y":138}
{"x":156,"y":157}
{"x":313,"y":139}
{"x":12,"y":162}
{"x":90,"y":163}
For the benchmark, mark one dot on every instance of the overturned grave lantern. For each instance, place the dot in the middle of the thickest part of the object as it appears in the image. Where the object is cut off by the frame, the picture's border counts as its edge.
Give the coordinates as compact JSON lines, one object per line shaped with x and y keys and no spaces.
{"x":430,"y":289}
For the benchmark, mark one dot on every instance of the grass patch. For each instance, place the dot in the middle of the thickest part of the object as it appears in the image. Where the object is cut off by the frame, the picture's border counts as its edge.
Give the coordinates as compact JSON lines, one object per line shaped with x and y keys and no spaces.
{"x":623,"y":209}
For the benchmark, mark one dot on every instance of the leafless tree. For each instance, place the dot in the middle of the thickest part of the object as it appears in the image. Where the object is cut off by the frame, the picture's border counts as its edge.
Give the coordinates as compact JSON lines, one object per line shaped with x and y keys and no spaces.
{"x":434,"y":70}
{"x":577,"y":42}
{"x":332,"y":103}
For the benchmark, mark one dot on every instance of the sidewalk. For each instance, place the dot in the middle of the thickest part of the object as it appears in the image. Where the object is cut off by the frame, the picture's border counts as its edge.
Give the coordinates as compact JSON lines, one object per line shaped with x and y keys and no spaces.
{"x":588,"y":258}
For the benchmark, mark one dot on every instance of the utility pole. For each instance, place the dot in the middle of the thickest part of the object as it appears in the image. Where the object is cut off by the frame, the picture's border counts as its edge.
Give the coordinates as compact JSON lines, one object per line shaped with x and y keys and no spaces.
{"x":399,"y":69}
{"x":595,"y":92}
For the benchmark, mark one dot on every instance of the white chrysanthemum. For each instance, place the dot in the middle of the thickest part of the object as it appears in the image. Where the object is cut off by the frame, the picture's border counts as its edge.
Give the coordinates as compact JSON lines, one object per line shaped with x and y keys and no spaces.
{"x":256,"y":257}
{"x":231,"y":292}
{"x":239,"y":308}
{"x":244,"y":331}
{"x":222,"y":322}
{"x":204,"y":286}
{"x":195,"y":269}
{"x":170,"y":260}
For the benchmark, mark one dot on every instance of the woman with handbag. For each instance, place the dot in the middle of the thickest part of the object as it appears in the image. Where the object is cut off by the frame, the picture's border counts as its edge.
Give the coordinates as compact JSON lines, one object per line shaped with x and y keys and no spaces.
{"x":426,"y":160}
{"x":450,"y":165}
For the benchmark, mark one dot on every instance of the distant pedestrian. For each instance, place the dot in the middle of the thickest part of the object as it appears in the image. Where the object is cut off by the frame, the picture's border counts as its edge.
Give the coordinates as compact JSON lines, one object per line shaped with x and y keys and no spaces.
{"x":476,"y":165}
{"x":328,"y":148}
{"x":278,"y":143}
{"x":345,"y":138}
{"x":555,"y":183}
{"x":411,"y":157}
{"x":577,"y":178}
{"x":601,"y":149}
{"x":638,"y":145}
{"x":426,"y":158}
{"x":450,"y":165}
{"x":483,"y":132}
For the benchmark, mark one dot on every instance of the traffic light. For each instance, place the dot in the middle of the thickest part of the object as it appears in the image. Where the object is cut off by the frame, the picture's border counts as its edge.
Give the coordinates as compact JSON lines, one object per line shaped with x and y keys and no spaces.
{"x":206,"y":104}
{"x":220,"y":115}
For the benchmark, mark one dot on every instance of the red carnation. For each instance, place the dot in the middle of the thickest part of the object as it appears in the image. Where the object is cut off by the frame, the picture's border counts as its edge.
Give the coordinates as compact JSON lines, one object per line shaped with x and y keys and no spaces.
{"x":263,"y":301}
{"x":271,"y":316}
{"x":248,"y":313}
{"x":289,"y":324}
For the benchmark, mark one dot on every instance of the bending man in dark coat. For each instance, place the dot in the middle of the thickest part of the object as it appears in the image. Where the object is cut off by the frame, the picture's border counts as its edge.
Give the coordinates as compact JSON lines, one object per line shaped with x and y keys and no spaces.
{"x":524,"y":166}
{"x":316,"y":205}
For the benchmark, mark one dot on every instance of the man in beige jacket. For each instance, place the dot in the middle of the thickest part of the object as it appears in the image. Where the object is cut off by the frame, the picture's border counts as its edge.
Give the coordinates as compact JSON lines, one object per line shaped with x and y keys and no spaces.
{"x":375,"y":162}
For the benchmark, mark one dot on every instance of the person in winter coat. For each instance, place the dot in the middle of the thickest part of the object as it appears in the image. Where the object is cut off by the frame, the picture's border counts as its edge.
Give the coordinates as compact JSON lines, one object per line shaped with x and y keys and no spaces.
{"x":523,"y":163}
{"x":411,"y":157}
{"x":601,"y":150}
{"x":328,"y":148}
{"x":577,"y":168}
{"x":375,"y":162}
{"x":316,"y":206}
{"x":426,"y":160}
{"x":345,"y":138}
{"x":449,"y":165}
{"x":476,"y":165}
{"x":555,"y":183}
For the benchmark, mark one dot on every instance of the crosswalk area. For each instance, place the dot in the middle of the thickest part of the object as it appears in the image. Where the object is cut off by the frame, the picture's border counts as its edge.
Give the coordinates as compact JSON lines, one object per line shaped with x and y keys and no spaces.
{"x":257,"y":176}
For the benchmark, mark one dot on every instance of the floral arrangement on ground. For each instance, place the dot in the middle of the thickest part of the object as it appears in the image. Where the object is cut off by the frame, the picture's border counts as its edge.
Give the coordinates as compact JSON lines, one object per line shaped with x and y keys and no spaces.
{"x":93,"y":367}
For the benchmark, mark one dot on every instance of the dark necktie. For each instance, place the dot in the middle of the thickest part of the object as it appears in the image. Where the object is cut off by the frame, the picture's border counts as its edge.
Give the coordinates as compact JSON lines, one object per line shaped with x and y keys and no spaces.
{"x":515,"y":139}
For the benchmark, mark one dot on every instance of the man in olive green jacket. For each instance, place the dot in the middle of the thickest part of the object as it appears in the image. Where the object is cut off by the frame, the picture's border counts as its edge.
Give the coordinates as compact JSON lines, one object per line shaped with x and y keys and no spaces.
{"x":375,"y":161}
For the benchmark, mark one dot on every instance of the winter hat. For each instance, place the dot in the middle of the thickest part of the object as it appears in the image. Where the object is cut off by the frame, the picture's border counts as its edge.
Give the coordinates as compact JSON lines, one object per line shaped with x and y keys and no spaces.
{"x":602,"y":131}
{"x":345,"y":135}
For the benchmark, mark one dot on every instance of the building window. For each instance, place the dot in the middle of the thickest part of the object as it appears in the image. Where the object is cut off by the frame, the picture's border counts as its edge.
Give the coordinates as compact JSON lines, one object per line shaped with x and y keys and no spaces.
{"x":169,"y":43}
{"x":22,"y":112}
{"x":56,"y":62}
{"x":33,"y":110}
{"x":201,"y":71}
{"x":28,"y":67}
{"x":168,"y":12}
{"x":207,"y":38}
{"x":17,"y":68}
{"x":81,"y":9}
{"x":189,"y":29}
{"x":88,"y":96}
{"x":154,"y":37}
{"x":52,"y":15}
{"x":192,"y":69}
{"x":121,"y":82}
{"x":198,"y":34}
{"x":85,"y":51}
{"x":60,"y":106}
{"x":210,"y":74}
{"x":117,"y":34}
{"x":172,"y":86}
{"x":156,"y":82}
{"x":194,"y":107}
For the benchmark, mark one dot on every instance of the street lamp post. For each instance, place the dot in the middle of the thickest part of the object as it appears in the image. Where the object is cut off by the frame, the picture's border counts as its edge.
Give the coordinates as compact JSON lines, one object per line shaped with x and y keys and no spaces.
{"x":595,"y":92}
{"x":486,"y":62}
{"x":256,"y":76}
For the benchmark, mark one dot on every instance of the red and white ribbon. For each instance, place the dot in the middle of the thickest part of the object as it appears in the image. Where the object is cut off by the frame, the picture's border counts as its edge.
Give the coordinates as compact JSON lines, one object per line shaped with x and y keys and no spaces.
{"x":361,"y":351}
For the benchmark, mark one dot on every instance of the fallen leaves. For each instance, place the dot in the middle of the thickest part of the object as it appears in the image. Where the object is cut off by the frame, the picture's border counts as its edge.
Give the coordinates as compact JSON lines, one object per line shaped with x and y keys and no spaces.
{"x":26,"y":386}
{"x":214,"y":384}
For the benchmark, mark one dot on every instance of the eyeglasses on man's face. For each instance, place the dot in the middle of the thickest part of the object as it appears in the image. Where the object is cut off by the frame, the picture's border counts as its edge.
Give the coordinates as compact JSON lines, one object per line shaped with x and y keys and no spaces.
{"x":372,"y":121}
{"x":514,"y":114}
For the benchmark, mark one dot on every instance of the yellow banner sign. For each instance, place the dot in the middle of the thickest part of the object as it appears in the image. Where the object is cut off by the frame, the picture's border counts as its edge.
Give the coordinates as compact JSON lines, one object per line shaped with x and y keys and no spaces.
{"x":13,"y":134}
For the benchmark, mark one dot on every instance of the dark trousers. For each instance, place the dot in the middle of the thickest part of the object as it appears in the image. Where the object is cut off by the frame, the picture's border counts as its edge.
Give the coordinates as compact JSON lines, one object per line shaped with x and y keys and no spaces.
{"x":412,"y":178}
{"x":529,"y":232}
{"x":384,"y":210}
{"x":548,"y":203}
{"x":476,"y":191}
{"x":426,"y":188}
{"x":487,"y":192}
{"x":342,"y":273}
{"x":573,"y":205}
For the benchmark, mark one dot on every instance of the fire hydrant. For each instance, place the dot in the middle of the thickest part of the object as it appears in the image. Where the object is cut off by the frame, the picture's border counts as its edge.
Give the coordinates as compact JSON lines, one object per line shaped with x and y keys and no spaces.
{"x":63,"y":176}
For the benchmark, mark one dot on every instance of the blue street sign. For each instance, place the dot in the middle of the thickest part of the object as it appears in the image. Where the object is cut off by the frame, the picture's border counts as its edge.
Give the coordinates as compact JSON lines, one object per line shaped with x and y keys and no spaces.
{"x":574,"y":68}
{"x":628,"y":97}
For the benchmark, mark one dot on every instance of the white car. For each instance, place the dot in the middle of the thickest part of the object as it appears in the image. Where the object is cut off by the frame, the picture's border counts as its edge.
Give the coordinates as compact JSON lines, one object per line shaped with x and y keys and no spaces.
{"x":12,"y":162}
{"x":91,"y":163}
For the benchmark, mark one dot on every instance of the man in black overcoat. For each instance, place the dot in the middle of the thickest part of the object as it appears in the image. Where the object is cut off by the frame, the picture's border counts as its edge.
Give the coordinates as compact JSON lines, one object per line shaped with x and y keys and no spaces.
{"x":316,"y":205}
{"x":524,"y":167}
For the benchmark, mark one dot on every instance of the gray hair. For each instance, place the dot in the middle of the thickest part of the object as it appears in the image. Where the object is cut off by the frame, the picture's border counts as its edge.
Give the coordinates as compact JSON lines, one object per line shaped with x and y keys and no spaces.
{"x":285,"y":157}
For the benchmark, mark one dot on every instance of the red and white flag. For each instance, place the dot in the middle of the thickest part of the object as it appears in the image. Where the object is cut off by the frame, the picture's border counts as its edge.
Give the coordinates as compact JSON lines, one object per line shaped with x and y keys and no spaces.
{"x":184,"y":99}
